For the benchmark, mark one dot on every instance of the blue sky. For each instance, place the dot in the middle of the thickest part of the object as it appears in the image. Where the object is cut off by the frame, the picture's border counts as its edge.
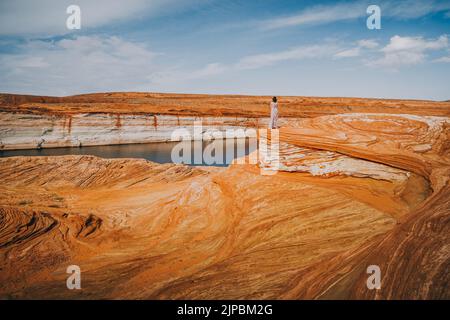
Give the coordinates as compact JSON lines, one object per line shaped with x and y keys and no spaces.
{"x":267,"y":47}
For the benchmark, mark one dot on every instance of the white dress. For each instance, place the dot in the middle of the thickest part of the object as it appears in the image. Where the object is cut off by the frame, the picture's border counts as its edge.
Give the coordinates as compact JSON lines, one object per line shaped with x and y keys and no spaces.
{"x":273,"y":115}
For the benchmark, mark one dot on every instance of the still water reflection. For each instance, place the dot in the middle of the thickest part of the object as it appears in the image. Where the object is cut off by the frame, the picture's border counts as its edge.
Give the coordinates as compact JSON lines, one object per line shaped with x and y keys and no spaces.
{"x":156,"y":152}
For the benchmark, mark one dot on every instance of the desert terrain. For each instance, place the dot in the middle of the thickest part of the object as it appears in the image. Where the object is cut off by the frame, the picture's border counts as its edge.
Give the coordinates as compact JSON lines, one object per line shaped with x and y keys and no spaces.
{"x":359,"y":182}
{"x":123,"y":103}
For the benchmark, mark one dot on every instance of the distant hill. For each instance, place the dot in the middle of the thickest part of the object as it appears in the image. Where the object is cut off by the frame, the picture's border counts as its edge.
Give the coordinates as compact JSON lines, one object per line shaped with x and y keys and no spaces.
{"x":214,"y":105}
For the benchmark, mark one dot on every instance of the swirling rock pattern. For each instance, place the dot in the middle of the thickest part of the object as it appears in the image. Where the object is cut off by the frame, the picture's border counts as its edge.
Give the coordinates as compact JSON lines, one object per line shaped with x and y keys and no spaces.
{"x":414,"y":256}
{"x":141,"y":230}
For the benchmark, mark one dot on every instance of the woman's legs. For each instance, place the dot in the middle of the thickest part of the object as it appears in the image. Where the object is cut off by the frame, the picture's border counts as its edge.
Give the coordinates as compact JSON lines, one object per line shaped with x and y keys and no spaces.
{"x":273,"y":120}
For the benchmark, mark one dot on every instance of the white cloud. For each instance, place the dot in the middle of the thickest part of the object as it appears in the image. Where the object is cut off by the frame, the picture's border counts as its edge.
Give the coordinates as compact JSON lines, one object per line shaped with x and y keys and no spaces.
{"x":399,"y":51}
{"x":323,"y":14}
{"x":49,"y":16}
{"x":367,"y":43}
{"x":411,"y":9}
{"x":443,"y":59}
{"x":402,"y":51}
{"x":398,"y":43}
{"x":317,"y":15}
{"x":361,"y":45}
{"x":31,"y":62}
{"x":103,"y":63}
{"x":398,"y":59}
{"x":97,"y":64}
{"x":267,"y":59}
{"x":82,"y":64}
{"x":354,"y":52}
{"x":209,"y":70}
{"x":178,"y":75}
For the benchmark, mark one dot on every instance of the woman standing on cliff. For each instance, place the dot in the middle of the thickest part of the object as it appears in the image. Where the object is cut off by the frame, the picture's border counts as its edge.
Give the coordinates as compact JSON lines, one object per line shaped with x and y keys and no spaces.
{"x":273,"y":113}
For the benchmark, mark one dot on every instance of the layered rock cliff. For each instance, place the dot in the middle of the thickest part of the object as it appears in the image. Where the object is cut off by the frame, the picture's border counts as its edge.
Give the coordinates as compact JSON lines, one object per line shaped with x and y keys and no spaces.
{"x":28,"y":122}
{"x":34,"y":131}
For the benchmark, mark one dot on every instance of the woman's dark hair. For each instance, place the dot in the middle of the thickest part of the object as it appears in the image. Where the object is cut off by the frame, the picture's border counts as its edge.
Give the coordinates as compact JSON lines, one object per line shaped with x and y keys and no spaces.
{"x":274,"y":99}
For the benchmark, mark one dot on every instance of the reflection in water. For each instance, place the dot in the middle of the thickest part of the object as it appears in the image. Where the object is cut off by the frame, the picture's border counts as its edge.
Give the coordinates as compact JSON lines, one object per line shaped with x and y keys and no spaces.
{"x":157,"y":152}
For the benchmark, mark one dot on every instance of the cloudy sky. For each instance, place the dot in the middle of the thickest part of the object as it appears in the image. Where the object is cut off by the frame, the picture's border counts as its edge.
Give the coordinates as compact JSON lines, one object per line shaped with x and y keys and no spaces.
{"x":269,"y":47}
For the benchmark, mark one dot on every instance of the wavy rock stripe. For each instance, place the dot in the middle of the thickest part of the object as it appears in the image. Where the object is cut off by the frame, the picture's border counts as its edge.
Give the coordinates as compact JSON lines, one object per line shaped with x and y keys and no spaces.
{"x":141,"y":230}
{"x":415,"y":255}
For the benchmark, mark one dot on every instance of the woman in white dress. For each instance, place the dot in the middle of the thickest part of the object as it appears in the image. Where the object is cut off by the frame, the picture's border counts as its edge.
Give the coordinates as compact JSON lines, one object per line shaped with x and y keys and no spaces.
{"x":273,"y":113}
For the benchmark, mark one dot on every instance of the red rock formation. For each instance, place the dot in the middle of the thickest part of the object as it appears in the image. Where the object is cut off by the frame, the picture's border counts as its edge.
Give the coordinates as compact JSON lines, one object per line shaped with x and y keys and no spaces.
{"x":214,"y":105}
{"x":414,"y":256}
{"x":143,"y":230}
